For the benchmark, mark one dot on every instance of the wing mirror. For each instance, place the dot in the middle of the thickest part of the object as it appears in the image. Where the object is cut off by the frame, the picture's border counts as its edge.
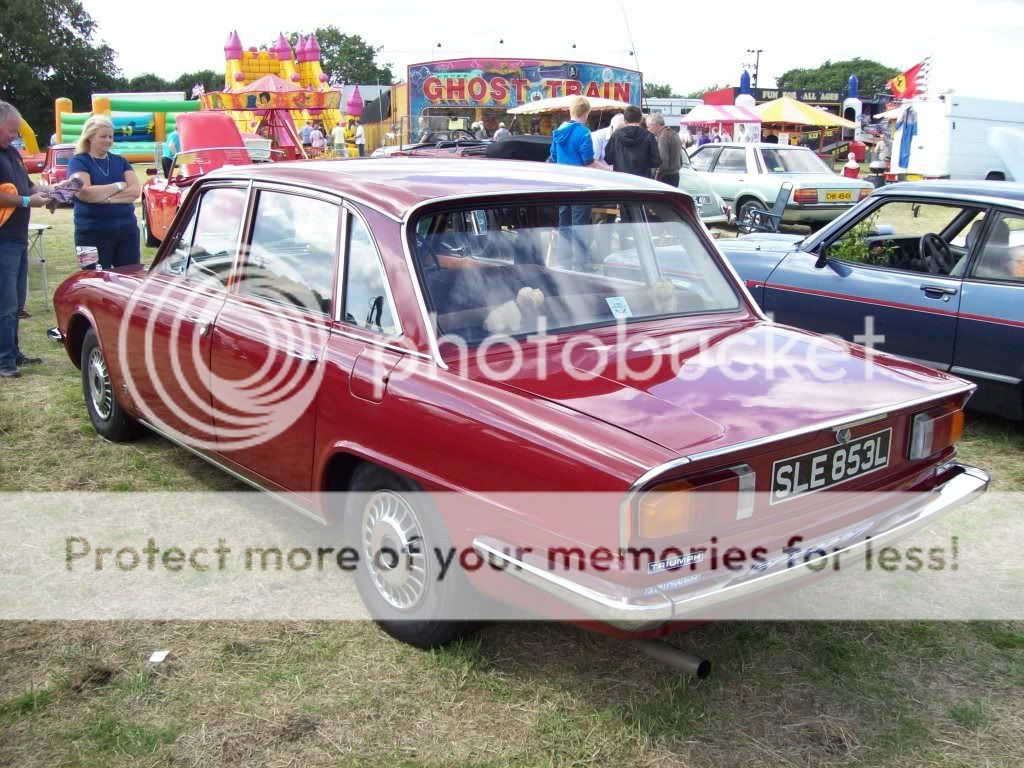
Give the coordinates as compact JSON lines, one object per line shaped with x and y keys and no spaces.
{"x":822,"y":261}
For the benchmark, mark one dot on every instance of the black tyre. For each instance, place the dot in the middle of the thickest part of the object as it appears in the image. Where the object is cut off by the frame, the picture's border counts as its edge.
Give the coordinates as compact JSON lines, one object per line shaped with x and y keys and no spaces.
{"x":748,"y":219}
{"x":397,"y":533}
{"x":147,"y":233}
{"x":105,"y":412}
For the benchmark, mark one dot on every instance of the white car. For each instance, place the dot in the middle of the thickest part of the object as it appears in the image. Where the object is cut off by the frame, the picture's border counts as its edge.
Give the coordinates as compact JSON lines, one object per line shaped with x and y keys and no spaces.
{"x":749,"y":176}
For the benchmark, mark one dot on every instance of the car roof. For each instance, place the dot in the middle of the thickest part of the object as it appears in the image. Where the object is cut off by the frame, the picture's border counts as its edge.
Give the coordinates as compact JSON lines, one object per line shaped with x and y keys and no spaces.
{"x":754,"y":144}
{"x":394,"y":185}
{"x":983,"y":191}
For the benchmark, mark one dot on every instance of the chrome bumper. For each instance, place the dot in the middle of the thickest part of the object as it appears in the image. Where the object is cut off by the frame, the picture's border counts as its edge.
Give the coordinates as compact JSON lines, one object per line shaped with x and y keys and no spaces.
{"x":618,"y":605}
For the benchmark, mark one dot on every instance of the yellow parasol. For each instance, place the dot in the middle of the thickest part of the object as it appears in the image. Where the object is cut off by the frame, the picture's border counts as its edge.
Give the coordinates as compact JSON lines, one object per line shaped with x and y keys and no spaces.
{"x":792,"y":112}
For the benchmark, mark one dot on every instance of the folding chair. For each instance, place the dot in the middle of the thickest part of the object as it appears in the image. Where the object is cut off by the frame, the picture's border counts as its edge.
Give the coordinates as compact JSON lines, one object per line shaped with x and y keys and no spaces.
{"x":755,"y":219}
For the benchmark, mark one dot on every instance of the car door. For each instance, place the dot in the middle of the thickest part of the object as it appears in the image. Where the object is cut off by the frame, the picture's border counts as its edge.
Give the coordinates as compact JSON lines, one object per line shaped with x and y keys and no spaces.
{"x":268,"y":344}
{"x":990,"y":331}
{"x":172,"y":314}
{"x":862,"y":286}
{"x":729,"y":172}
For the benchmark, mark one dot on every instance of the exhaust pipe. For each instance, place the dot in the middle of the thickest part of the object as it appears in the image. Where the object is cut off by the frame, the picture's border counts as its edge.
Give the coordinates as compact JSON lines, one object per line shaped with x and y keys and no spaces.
{"x":675,"y":658}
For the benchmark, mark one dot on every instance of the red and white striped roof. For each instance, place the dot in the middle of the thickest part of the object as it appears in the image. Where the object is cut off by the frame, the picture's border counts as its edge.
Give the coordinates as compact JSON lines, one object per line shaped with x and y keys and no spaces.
{"x":707,"y":114}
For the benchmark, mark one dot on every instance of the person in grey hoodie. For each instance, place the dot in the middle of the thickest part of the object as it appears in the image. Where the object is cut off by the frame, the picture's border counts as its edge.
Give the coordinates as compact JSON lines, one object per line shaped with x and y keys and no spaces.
{"x":632,"y":148}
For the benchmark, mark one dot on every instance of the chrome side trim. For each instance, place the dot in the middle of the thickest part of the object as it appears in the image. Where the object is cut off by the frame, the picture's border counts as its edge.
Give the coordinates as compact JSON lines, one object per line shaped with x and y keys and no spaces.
{"x":976,"y":374}
{"x":251,"y":481}
{"x":627,"y":608}
{"x":675,"y":464}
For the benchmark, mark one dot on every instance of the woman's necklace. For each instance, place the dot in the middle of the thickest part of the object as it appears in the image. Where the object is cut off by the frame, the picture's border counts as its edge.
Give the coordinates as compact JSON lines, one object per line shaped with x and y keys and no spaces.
{"x":106,"y":170}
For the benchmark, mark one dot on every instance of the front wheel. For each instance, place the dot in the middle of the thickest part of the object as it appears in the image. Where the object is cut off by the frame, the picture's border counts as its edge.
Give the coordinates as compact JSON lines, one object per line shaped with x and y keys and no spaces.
{"x":402,"y":541}
{"x":750,"y":218}
{"x":107,"y":415}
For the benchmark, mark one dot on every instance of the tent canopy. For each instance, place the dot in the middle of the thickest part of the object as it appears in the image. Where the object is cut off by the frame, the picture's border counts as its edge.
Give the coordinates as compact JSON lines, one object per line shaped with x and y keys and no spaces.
{"x":270,"y":84}
{"x":561,"y":103}
{"x":712,"y":114}
{"x":789,"y":110}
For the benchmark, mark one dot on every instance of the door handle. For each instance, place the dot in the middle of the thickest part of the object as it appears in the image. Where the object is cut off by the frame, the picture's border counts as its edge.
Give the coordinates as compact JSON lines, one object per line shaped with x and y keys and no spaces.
{"x":201,"y":323}
{"x":305,"y":357}
{"x":939,"y":290}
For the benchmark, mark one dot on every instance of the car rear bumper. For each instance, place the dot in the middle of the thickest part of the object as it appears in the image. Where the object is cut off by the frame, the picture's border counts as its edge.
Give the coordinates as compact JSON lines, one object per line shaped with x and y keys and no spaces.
{"x":823,"y":212}
{"x":639,"y":609}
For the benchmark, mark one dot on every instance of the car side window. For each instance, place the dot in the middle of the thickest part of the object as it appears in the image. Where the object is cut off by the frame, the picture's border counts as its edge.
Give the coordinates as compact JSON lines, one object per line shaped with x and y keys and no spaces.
{"x":212,"y":255}
{"x":367,"y":304}
{"x":291,"y":254}
{"x":177,"y":257}
{"x":892,"y":236}
{"x":732,"y":160}
{"x":701,"y":159}
{"x":1002,"y":254}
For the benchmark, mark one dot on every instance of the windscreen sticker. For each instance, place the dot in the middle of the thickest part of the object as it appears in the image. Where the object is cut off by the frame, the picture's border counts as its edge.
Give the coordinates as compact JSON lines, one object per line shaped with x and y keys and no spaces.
{"x":619,"y":307}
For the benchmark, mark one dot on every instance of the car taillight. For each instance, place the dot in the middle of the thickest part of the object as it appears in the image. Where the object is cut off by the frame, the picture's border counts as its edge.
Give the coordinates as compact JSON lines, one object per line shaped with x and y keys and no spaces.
{"x":707,"y":501}
{"x":805,"y":196}
{"x":864,"y":193}
{"x":935,"y":430}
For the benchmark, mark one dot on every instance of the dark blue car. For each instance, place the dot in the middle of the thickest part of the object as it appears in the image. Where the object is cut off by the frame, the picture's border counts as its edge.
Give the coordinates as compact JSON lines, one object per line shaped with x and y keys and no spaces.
{"x":936,"y":269}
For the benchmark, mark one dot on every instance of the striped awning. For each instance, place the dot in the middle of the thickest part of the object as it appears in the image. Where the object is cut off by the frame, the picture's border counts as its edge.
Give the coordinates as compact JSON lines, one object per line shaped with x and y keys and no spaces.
{"x":713,"y":114}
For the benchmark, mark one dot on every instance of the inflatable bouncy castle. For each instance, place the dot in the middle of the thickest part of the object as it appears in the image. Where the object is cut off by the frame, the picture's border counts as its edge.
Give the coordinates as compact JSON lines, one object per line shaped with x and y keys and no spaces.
{"x":141,"y":120}
{"x":291,"y":79}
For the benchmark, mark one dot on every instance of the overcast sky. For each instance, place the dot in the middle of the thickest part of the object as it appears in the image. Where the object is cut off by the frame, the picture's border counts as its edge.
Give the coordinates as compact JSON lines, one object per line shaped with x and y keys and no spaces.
{"x":976,"y":45}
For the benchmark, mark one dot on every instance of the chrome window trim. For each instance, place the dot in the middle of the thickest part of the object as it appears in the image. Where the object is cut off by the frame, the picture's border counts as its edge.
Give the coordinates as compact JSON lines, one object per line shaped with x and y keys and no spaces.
{"x":959,"y":370}
{"x":343,"y":281}
{"x":654,"y":473}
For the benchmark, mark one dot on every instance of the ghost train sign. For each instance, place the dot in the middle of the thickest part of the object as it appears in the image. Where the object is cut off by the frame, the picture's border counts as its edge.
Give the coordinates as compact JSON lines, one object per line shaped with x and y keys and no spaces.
{"x":506,"y":83}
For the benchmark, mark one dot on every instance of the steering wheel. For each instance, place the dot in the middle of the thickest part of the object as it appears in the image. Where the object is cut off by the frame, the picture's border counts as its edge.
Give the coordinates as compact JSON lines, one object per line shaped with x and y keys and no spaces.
{"x":937,"y":255}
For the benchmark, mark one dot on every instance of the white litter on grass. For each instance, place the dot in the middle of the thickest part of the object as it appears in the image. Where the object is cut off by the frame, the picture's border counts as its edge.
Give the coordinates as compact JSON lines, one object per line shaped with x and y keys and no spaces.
{"x":157,"y":656}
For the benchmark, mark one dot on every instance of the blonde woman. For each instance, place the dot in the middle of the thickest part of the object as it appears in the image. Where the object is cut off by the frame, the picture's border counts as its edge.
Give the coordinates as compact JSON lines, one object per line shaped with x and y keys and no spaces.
{"x":105,"y":207}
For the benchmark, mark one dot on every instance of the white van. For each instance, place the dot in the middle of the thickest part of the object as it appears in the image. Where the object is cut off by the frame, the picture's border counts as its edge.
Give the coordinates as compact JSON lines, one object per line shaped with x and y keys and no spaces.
{"x":953,"y":138}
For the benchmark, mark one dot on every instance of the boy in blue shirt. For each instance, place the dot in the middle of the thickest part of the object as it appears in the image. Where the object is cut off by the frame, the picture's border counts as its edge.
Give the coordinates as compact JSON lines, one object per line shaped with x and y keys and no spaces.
{"x":571,"y":144}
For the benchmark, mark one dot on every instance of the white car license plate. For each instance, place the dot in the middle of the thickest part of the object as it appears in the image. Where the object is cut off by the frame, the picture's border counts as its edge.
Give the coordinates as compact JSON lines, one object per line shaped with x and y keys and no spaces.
{"x":828,"y":467}
{"x":703,"y":200}
{"x":838,"y":197}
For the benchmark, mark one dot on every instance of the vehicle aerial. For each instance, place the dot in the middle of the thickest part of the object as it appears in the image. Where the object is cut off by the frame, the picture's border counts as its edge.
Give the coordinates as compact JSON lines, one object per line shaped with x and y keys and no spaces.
{"x":954,"y":139}
{"x":58,"y":156}
{"x":939,"y":265}
{"x":392,"y":295}
{"x":748,"y":177}
{"x":209,"y":140}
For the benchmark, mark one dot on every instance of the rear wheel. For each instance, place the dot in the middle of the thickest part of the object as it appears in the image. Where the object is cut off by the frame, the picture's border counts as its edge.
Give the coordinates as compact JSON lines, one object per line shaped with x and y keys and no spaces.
{"x":147,"y":233}
{"x":399,"y":536}
{"x":105,"y":412}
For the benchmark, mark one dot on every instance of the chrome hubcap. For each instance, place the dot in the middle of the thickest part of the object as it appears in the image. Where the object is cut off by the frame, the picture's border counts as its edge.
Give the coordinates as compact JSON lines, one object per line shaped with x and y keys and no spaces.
{"x":99,"y":385}
{"x":393,"y":550}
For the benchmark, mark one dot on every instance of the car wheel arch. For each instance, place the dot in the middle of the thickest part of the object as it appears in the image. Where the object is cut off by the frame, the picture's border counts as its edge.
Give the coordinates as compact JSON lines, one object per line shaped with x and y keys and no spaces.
{"x":78,"y":326}
{"x":745,"y":198}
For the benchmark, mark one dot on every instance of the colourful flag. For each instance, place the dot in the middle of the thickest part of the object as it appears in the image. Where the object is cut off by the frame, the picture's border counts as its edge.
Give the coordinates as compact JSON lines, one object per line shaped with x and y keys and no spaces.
{"x":913,"y":82}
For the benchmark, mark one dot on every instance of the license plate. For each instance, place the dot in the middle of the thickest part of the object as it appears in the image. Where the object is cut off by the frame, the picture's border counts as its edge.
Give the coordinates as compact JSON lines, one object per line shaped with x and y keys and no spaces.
{"x":838,"y":197}
{"x":703,"y":200}
{"x":828,"y":467}
{"x":914,"y":177}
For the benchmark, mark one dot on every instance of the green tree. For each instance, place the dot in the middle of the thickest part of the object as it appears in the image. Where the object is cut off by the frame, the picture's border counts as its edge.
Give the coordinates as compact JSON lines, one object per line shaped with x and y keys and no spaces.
{"x":348,"y":59}
{"x":657,"y":91}
{"x":147,"y":81}
{"x":699,"y":93}
{"x":833,"y":75}
{"x":210,"y":80}
{"x":48,"y":51}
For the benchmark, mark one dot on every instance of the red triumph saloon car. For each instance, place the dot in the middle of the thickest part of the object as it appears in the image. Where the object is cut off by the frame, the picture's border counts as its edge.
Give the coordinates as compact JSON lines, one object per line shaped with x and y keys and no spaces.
{"x":445,"y":338}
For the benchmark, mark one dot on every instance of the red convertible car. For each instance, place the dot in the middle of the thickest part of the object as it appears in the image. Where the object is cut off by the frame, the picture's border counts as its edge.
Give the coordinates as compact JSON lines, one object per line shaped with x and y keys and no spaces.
{"x":209,"y":140}
{"x":444,"y":347}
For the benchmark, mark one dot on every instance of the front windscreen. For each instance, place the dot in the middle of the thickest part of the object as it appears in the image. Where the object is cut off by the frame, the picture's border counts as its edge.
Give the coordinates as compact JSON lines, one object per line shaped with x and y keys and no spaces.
{"x":794,"y":160}
{"x":515,"y":269}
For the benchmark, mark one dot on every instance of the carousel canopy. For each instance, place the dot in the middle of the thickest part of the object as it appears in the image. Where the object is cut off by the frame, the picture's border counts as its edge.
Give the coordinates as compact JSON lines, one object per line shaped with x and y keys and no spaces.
{"x":713,"y":114}
{"x":789,"y":110}
{"x":561,"y":103}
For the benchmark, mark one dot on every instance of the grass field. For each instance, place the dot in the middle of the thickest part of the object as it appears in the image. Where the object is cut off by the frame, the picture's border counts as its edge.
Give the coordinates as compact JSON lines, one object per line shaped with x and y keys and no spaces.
{"x":343,"y":694}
